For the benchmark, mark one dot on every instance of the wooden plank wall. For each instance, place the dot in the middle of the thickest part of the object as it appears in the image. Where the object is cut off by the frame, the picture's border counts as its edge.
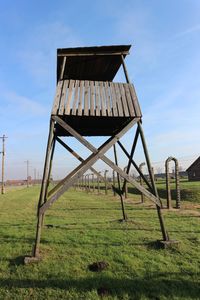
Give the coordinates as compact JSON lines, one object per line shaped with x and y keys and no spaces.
{"x":95,"y":98}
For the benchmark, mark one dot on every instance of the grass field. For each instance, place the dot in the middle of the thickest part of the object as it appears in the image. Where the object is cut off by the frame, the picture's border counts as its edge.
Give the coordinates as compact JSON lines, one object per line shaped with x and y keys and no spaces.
{"x":87,"y":229}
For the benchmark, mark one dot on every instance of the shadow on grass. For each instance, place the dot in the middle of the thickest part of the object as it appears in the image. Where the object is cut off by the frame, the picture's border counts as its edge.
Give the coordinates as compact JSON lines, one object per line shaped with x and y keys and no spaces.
{"x":151,"y":286}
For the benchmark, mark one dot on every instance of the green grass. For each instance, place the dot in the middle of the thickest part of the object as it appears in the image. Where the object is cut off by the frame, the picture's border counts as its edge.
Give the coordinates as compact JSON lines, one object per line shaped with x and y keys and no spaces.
{"x":87,"y":229}
{"x":190,"y":190}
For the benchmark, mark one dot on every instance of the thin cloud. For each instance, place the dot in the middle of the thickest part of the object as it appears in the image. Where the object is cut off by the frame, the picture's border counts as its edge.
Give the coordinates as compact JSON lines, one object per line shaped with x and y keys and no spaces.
{"x":188,"y":31}
{"x":22,"y":104}
{"x":38,"y":56}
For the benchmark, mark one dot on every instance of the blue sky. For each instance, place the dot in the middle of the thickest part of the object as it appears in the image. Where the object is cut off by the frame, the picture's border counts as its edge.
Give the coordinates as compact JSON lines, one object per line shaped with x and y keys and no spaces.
{"x":164,"y":65}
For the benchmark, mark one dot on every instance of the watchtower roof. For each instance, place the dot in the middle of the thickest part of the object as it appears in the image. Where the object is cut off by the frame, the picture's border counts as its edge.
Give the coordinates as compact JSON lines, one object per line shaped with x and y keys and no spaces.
{"x":91,"y":63}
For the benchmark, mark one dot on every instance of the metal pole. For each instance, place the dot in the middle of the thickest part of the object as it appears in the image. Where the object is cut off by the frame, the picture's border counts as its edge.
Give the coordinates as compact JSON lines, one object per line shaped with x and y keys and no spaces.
{"x":141,"y":181}
{"x":93,"y":186}
{"x":88,"y":182}
{"x":169,"y":200}
{"x":85,"y":182}
{"x":125,"y":185}
{"x":178,"y":194}
{"x":78,"y":183}
{"x":34,"y":176}
{"x":105,"y":178}
{"x":82,"y":187}
{"x":98,"y":183}
{"x":27,"y":172}
{"x":3,"y":164}
{"x":114,"y":192}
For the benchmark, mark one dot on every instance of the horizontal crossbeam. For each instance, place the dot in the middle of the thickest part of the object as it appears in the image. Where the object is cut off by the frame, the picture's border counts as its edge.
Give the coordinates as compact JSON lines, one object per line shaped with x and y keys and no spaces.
{"x":93,"y":54}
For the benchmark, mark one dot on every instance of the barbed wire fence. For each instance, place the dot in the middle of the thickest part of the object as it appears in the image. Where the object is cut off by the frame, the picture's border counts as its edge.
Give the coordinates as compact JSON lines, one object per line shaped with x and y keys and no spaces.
{"x":16,"y":174}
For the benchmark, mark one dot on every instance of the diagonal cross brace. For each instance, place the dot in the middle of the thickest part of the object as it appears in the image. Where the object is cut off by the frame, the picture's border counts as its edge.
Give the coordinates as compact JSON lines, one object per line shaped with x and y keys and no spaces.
{"x":85,"y":165}
{"x":74,"y":133}
{"x":75,"y":154}
{"x":53,"y":190}
{"x":135,"y":165}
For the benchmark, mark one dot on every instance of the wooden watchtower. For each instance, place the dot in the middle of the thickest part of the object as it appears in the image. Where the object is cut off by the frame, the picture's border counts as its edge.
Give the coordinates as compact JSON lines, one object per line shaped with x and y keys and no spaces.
{"x":89,"y":103}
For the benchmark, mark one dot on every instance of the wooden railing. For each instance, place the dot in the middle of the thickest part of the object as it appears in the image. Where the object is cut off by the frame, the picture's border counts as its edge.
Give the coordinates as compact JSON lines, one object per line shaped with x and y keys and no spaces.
{"x":95,"y":98}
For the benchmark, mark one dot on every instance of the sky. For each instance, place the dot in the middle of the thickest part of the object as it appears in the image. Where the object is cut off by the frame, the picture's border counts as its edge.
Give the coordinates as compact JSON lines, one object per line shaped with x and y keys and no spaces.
{"x":164,"y":65}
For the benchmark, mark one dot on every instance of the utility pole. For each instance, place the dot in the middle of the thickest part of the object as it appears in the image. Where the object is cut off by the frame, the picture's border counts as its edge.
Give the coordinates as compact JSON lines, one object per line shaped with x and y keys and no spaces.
{"x":38,"y":176}
{"x":34,"y":176}
{"x":3,"y":163}
{"x":27,"y":171}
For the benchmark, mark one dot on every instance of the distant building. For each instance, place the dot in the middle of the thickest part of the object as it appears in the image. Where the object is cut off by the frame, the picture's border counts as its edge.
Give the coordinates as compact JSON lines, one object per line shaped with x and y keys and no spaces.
{"x":15,"y":182}
{"x":194,"y":170}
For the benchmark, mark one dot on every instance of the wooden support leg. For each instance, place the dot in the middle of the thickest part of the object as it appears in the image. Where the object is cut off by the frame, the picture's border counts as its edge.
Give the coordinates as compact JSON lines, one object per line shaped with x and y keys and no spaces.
{"x":119,"y":187}
{"x":47,"y":164}
{"x":164,"y":232}
{"x":162,"y":225}
{"x":49,"y":174}
{"x":46,"y":175}
{"x":38,"y":235}
{"x":148,"y":162}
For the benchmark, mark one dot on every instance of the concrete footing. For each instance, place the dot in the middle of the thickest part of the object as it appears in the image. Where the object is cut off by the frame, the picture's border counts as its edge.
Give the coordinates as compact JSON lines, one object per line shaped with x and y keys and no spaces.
{"x":31,"y":259}
{"x":167,"y":244}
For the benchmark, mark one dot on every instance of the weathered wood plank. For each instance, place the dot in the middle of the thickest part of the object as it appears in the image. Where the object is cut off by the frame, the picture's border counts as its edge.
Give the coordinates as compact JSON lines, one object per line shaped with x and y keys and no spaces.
{"x":86,"y":98}
{"x":125,"y":70}
{"x":135,"y":101}
{"x":63,"y":68}
{"x":93,"y":54}
{"x":80,"y":108}
{"x":69,"y":97}
{"x":124,"y":102}
{"x":129,"y":100}
{"x":75,"y":100}
{"x":107,"y":95}
{"x":63,"y":97}
{"x":102,"y":99}
{"x":114,"y":104}
{"x":92,"y":98}
{"x":57,"y":98}
{"x":97,"y":102}
{"x":118,"y":100}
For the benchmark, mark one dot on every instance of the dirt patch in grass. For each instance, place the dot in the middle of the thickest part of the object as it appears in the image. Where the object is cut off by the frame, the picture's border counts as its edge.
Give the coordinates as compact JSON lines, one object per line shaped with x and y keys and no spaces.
{"x":98,"y":266}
